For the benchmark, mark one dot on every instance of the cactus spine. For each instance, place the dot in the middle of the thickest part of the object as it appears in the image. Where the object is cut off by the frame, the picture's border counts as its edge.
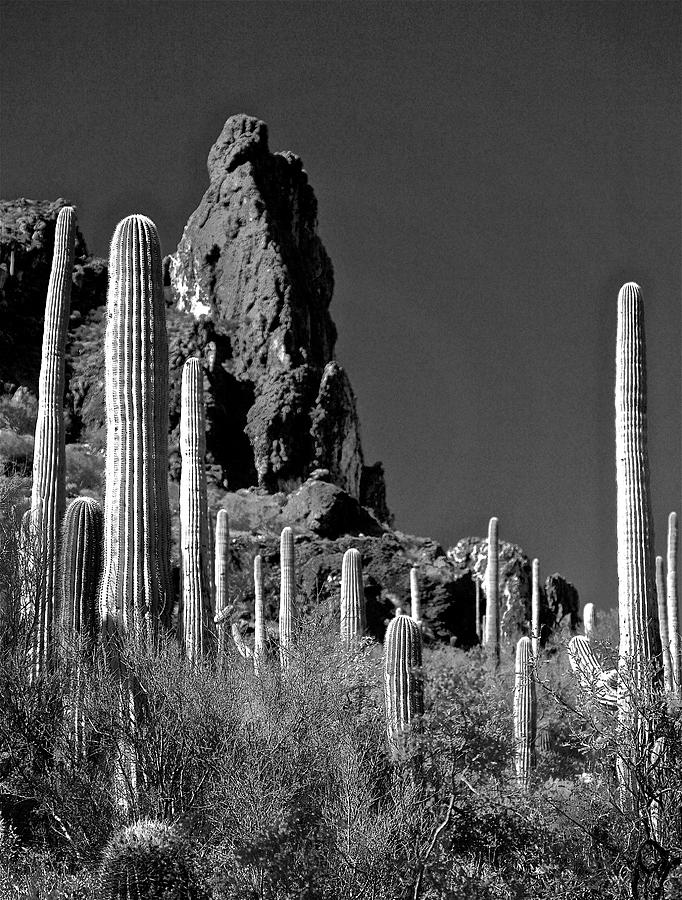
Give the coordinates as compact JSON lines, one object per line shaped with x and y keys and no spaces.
{"x":404,"y":693}
{"x":352,"y":599}
{"x":259,"y":650}
{"x":589,"y":621}
{"x":673,"y":608}
{"x":198,"y":627}
{"x":525,"y":711}
{"x":81,"y":568}
{"x":535,"y":610}
{"x":639,"y":644}
{"x":287,"y":597}
{"x":492,"y":620}
{"x":221,"y":574}
{"x":136,"y":584}
{"x":49,"y":459}
{"x":415,"y":596}
{"x":663,"y":623}
{"x":148,"y":859}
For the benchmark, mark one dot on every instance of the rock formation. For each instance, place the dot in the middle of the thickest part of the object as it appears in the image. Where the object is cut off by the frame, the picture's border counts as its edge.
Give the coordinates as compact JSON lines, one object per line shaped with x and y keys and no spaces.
{"x":251,"y":268}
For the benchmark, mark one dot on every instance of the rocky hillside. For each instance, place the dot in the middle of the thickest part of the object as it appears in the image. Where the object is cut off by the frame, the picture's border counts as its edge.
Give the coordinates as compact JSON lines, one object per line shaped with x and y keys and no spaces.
{"x":248,"y":291}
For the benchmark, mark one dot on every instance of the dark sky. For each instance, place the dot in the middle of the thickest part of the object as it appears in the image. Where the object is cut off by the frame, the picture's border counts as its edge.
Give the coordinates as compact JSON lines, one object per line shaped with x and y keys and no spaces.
{"x":488,"y":175}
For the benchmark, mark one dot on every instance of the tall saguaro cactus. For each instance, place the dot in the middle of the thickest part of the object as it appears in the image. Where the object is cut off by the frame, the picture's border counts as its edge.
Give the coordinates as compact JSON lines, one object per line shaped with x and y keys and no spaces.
{"x":492,"y":613}
{"x":352,"y":599}
{"x":198,"y":635}
{"x":259,"y":648}
{"x":525,"y":711}
{"x":136,"y":584}
{"x":49,"y":459}
{"x":673,"y":608}
{"x":640,"y":643}
{"x":287,"y":597}
{"x":535,"y":608}
{"x":403,"y":685}
{"x":221,"y":578}
{"x":81,"y":568}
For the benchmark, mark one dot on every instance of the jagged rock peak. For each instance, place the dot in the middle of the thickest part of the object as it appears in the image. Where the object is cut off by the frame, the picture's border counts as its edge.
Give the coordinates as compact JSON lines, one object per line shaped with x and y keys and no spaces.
{"x":242,"y":138}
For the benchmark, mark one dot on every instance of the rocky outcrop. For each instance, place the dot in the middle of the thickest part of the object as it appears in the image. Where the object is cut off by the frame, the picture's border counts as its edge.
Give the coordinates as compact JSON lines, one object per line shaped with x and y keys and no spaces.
{"x":26,"y":249}
{"x":335,"y":430}
{"x":447,"y":593}
{"x":563,"y":600}
{"x":515,"y":585}
{"x":251,"y":267}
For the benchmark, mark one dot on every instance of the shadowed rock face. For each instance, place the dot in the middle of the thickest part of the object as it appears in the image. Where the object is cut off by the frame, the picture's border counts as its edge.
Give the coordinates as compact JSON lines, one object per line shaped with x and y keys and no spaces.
{"x":251,"y":264}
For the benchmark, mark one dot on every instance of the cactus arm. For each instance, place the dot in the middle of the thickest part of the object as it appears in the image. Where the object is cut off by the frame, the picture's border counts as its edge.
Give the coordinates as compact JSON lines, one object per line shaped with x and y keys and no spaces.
{"x":49,"y":459}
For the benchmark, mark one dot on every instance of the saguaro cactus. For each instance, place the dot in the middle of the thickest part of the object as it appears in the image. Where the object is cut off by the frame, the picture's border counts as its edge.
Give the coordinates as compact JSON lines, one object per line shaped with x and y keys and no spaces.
{"x":221,"y":575}
{"x":415,"y":596}
{"x":673,"y":608}
{"x":198,"y":627}
{"x":149,"y":859}
{"x":525,"y":711}
{"x":591,"y":676}
{"x":404,"y":691}
{"x":352,"y":599}
{"x":640,"y":643}
{"x":492,"y":615}
{"x":589,"y":621}
{"x":259,"y":648}
{"x":663,"y":623}
{"x":49,"y":458}
{"x":479,"y":620}
{"x":287,"y":597}
{"x":81,"y":568}
{"x":535,"y":609}
{"x":136,"y":584}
